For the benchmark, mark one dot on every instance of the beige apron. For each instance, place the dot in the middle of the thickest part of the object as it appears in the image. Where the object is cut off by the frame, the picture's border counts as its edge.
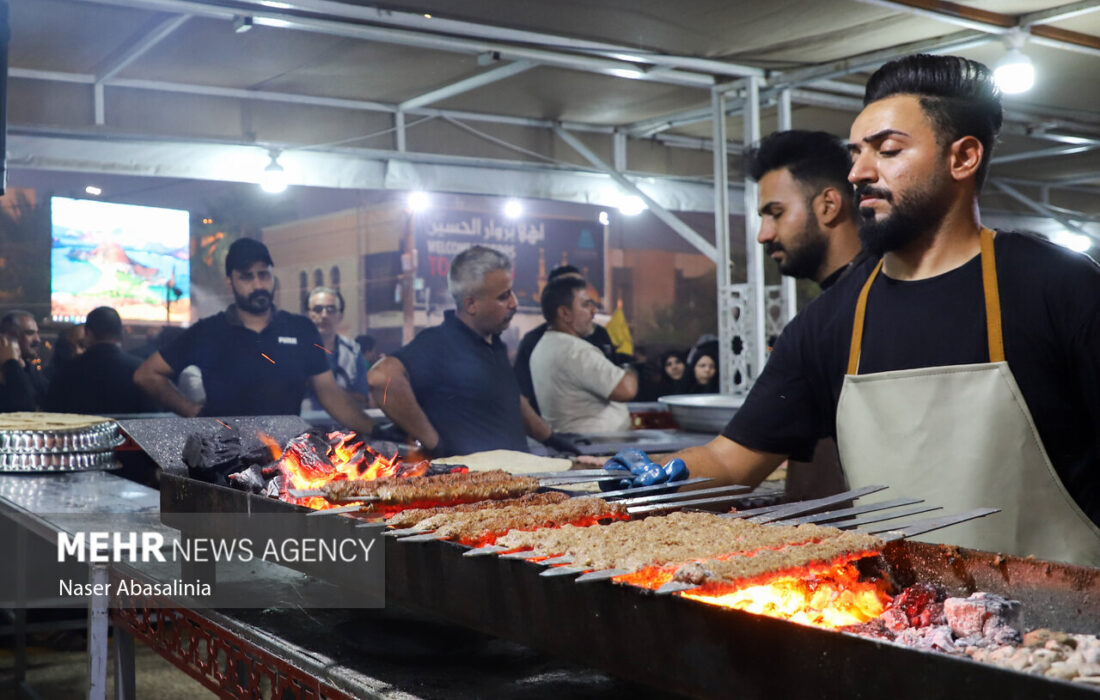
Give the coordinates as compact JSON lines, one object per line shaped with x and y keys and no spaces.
{"x":962,"y":437}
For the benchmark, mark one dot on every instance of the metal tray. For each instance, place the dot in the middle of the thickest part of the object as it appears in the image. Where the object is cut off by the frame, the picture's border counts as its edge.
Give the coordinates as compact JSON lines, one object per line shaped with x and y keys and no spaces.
{"x":704,"y":413}
{"x":101,"y":437}
{"x":57,"y":462}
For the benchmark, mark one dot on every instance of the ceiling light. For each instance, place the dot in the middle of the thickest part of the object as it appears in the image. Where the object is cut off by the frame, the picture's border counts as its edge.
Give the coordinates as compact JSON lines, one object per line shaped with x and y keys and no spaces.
{"x":631,"y":205}
{"x":273,"y":178}
{"x":604,"y":218}
{"x":513,"y":208}
{"x":419,"y":200}
{"x":93,"y":190}
{"x":1073,"y":241}
{"x":241,"y":24}
{"x":630,"y":73}
{"x":1014,"y":73}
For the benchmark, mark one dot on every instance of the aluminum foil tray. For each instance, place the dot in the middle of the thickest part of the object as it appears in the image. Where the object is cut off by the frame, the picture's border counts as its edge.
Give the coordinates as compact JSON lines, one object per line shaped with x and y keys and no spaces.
{"x":57,"y":462}
{"x":101,"y":437}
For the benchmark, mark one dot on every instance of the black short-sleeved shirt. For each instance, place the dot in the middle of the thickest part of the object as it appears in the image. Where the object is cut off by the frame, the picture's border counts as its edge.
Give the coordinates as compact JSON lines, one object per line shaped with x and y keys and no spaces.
{"x":245,"y":373}
{"x":466,"y":388}
{"x":1050,"y":310}
{"x":99,"y":381}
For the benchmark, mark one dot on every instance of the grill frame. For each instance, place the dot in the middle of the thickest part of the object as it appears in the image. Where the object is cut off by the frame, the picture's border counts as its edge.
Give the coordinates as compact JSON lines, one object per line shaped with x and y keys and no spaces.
{"x":683,"y":646}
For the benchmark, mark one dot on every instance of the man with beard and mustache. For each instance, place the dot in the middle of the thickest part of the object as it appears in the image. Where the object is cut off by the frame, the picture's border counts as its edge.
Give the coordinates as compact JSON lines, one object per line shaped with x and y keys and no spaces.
{"x":255,"y":359}
{"x":452,"y":388}
{"x":21,"y":328}
{"x":964,"y":366}
{"x":808,"y":225}
{"x":807,"y":214}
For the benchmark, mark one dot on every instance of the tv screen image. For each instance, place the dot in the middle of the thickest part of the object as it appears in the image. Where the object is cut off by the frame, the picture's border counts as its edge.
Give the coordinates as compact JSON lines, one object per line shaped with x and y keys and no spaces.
{"x":129,"y":257}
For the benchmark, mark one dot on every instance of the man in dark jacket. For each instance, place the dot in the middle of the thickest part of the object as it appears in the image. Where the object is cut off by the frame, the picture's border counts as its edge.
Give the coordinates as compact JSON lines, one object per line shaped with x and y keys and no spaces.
{"x":21,"y":327}
{"x":101,"y":380}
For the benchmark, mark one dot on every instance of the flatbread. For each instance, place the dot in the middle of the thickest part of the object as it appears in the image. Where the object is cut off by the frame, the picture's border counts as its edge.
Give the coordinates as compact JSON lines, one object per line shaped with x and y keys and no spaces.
{"x":27,"y":420}
{"x":509,"y":460}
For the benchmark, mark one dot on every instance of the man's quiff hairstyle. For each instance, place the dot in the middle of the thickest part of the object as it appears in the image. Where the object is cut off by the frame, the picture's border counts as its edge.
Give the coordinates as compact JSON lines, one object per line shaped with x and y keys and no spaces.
{"x":958,"y":95}
{"x":470,"y":268}
{"x":814,"y":158}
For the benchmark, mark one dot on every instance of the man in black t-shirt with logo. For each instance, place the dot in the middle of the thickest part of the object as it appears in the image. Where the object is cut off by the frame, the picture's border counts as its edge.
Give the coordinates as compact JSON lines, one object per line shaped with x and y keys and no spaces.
{"x":255,"y":359}
{"x":964,"y":366}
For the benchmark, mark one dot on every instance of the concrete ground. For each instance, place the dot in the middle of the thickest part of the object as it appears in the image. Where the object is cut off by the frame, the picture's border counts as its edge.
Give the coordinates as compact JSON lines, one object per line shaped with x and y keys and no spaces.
{"x":58,"y":669}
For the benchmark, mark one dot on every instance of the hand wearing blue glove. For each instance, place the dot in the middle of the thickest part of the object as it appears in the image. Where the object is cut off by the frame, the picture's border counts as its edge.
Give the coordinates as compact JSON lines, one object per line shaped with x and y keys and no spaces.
{"x":643,"y":470}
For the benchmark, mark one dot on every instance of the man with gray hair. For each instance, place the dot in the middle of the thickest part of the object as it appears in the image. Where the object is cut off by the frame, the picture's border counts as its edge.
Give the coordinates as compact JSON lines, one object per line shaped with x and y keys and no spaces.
{"x":452,"y":388}
{"x":326,"y":310}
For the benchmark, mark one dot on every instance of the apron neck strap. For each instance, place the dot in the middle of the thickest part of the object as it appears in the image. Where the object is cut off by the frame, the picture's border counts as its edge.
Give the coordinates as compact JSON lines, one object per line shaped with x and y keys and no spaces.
{"x":990,"y":289}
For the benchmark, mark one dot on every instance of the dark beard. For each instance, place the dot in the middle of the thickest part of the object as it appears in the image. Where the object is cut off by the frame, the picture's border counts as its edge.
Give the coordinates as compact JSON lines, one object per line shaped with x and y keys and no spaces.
{"x":913,"y":216}
{"x":258,"y":302}
{"x":806,"y":254}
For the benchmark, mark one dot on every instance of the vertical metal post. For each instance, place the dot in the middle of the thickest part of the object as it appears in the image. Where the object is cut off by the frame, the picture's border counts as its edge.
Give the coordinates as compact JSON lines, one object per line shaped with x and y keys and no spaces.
{"x":722,"y":241}
{"x":399,"y":124}
{"x":757,"y":341}
{"x":618,"y":150}
{"x":790,"y":291}
{"x":125,"y":688}
{"x":100,"y":579}
{"x":98,"y":104}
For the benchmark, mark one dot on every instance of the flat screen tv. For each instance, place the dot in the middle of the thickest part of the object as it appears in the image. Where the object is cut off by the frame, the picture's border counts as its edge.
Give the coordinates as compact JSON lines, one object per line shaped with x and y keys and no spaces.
{"x":133,"y":258}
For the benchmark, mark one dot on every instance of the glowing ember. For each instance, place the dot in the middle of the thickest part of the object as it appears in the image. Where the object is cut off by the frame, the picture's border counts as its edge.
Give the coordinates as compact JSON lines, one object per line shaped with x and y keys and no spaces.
{"x":309,"y":463}
{"x":827,"y":596}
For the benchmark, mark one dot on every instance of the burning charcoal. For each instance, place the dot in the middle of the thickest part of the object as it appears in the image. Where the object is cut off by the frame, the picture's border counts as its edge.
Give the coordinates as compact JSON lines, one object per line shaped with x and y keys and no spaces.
{"x":275,"y":488}
{"x":981,"y":614}
{"x":1042,"y":636}
{"x":917,"y":606}
{"x":251,"y":480}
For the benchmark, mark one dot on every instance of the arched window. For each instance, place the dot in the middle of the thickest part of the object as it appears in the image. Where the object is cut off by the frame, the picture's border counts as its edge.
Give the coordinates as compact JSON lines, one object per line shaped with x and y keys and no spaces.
{"x":334,"y":278}
{"x":303,"y":289}
{"x":318,"y":278}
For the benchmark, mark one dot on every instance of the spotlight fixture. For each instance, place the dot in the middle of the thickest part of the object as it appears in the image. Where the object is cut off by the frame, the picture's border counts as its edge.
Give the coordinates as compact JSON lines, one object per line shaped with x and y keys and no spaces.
{"x":1014,"y":73}
{"x":604,"y":218}
{"x":1074,"y":241}
{"x":513,"y":209}
{"x":419,"y":201}
{"x":93,"y":190}
{"x":631,"y":205}
{"x":242,"y":23}
{"x":273,"y":179}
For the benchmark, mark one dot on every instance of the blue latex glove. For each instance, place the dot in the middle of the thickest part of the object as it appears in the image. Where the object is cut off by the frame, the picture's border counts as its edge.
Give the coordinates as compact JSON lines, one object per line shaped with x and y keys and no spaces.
{"x":643,"y":470}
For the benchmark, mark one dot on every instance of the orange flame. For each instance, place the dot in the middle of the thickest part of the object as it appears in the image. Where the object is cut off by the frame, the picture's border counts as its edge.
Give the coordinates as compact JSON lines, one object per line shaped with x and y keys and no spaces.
{"x":271,"y":443}
{"x":826,"y":595}
{"x":344,"y":460}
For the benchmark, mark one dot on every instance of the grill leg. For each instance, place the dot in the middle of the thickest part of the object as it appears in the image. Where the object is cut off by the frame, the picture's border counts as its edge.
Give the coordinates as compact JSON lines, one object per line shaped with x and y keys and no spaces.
{"x":124,"y":665}
{"x":97,"y":634}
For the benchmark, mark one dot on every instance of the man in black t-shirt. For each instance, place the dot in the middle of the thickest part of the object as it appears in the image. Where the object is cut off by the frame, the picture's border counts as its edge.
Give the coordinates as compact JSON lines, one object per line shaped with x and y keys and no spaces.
{"x":452,"y":388}
{"x":963,"y":367}
{"x":255,"y":359}
{"x":101,"y":379}
{"x":808,"y":226}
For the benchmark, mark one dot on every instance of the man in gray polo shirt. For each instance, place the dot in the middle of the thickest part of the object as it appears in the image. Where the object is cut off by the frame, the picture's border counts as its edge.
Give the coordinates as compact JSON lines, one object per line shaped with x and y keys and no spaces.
{"x":579,"y":390}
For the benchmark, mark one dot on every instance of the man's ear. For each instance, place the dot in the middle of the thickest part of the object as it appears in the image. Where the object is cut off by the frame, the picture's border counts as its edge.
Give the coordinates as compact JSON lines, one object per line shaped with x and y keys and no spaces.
{"x":228,"y":284}
{"x":469,"y":305}
{"x":964,"y":158}
{"x":828,"y":207}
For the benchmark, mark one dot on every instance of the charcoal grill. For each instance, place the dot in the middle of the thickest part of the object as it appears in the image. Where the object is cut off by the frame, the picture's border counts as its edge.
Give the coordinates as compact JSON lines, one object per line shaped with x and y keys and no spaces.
{"x":680,"y":645}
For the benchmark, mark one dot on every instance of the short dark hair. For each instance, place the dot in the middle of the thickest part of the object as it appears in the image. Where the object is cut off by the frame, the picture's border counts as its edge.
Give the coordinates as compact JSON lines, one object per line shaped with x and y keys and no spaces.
{"x":243,"y":253}
{"x":104,"y":323}
{"x":328,"y":290}
{"x":815,"y":158}
{"x":366,"y":342}
{"x":959,"y":96}
{"x":563,"y":270}
{"x":559,"y":293}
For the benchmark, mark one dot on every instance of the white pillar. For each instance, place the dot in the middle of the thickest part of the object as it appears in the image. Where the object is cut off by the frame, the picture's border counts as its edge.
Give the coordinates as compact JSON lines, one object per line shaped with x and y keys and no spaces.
{"x":722,"y":241}
{"x":757,"y":341}
{"x":790,"y":292}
